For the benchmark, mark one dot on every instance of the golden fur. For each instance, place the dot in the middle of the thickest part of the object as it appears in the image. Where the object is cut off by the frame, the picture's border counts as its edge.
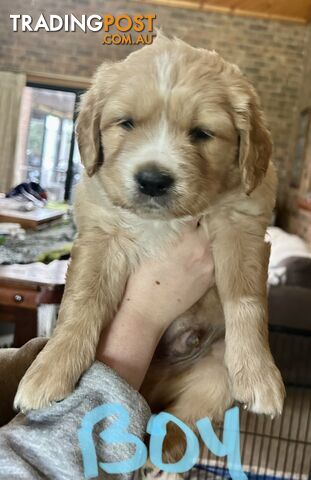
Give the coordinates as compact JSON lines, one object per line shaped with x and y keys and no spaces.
{"x":226,"y":181}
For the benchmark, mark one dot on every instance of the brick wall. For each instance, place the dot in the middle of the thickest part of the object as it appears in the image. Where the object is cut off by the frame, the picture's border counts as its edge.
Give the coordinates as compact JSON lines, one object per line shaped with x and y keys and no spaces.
{"x":296,"y":219}
{"x":271,"y":53}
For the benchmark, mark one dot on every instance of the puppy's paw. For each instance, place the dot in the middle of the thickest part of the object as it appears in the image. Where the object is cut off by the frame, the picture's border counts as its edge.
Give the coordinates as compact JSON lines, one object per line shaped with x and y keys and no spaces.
{"x":153,"y":473}
{"x":260,"y":389}
{"x":40,"y":387}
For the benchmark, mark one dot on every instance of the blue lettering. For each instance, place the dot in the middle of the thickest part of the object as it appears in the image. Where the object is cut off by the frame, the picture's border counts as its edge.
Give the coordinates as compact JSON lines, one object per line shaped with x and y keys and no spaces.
{"x":157,"y":429}
{"x":115,"y":433}
{"x":231,"y":442}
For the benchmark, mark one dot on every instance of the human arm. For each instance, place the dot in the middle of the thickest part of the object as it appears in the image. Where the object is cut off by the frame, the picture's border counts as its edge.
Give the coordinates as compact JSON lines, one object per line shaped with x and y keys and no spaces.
{"x":157,"y":293}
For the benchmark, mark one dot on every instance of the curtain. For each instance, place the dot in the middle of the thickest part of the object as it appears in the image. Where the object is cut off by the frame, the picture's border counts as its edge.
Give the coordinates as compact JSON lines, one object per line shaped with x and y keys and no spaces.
{"x":11,"y":89}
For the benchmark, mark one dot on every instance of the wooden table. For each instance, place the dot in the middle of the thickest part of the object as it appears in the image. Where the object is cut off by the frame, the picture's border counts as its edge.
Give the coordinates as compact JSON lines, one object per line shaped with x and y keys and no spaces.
{"x":35,"y":219}
{"x":23,"y":288}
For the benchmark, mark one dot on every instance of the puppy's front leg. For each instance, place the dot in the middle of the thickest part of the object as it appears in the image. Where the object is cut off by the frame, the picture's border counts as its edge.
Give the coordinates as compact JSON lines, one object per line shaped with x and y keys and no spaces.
{"x":241,"y":263}
{"x":95,"y":283}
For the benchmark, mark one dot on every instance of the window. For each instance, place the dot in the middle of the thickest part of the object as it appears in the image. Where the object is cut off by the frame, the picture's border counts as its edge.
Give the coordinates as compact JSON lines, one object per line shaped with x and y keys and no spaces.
{"x":47,"y":149}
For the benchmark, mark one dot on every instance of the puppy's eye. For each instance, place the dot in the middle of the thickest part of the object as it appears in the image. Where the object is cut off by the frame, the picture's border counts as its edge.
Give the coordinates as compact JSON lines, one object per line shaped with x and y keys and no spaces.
{"x":198,"y":134}
{"x":127,"y":124}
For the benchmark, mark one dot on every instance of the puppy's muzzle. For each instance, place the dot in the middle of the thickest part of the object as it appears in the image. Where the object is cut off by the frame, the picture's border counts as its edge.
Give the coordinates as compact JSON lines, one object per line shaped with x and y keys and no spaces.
{"x":154,"y":182}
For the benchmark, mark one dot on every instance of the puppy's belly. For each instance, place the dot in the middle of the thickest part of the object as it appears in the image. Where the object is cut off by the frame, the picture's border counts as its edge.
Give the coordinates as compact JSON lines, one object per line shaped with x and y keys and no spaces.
{"x":192,"y":334}
{"x":189,"y":339}
{"x":185,"y":341}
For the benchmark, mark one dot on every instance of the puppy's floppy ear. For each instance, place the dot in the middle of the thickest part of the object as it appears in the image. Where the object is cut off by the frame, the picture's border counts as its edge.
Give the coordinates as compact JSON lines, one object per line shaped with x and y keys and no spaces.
{"x":255,"y":145}
{"x":88,"y":132}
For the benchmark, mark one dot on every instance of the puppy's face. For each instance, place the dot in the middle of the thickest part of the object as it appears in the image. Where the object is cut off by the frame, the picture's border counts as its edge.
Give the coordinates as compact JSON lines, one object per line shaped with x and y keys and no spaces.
{"x":170,"y":128}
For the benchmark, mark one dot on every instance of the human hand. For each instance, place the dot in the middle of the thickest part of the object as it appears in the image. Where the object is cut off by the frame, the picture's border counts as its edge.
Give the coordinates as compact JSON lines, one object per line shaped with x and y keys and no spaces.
{"x":158,"y":292}
{"x":163,"y":288}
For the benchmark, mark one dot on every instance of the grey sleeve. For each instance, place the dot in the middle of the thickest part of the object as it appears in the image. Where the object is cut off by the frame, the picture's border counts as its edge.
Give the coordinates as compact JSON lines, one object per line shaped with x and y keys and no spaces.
{"x":44,"y":444}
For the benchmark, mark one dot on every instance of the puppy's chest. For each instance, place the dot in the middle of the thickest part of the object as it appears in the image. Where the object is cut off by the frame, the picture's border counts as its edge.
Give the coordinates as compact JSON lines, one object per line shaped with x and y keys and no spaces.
{"x":152,"y":237}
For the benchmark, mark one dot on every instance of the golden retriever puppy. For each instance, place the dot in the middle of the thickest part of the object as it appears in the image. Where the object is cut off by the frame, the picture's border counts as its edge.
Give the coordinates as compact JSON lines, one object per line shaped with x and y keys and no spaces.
{"x":169,"y":134}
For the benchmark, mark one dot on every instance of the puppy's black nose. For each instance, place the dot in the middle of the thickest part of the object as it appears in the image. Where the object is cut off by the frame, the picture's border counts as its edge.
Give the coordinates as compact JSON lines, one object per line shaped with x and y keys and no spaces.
{"x":153,"y":182}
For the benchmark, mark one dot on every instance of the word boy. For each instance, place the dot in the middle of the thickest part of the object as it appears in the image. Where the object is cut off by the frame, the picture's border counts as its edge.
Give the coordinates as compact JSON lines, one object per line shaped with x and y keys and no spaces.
{"x":117,"y":433}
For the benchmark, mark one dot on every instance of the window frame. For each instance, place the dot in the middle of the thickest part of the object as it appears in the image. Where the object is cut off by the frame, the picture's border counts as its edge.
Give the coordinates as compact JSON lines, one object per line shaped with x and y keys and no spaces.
{"x":78,"y":92}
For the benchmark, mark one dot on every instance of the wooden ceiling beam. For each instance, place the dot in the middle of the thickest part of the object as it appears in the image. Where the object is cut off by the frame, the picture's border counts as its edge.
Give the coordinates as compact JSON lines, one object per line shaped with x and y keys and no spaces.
{"x":261,"y":9}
